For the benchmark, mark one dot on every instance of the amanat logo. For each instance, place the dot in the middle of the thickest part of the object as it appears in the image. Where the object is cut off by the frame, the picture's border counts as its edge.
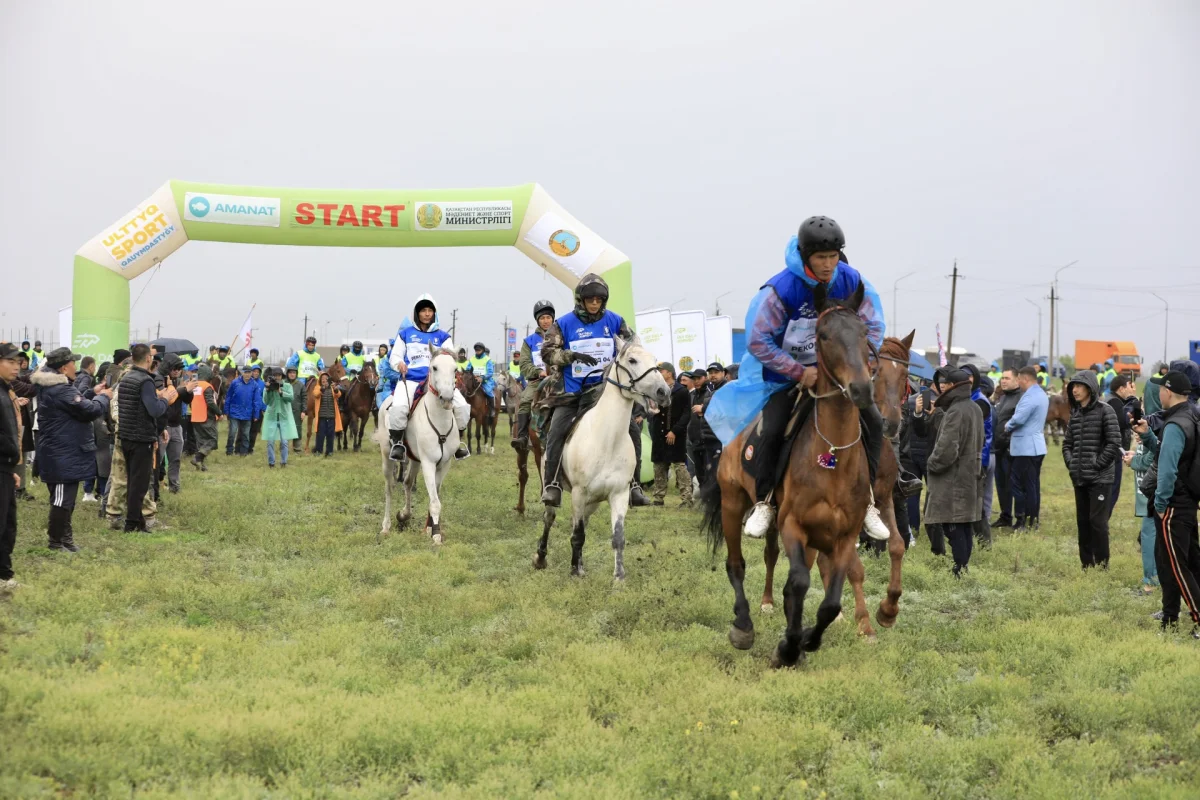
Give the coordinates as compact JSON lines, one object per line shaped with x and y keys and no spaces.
{"x":351,"y":215}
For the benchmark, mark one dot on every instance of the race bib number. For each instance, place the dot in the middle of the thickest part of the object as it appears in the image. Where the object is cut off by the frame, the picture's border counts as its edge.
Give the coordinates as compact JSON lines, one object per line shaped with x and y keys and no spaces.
{"x":308,"y":369}
{"x":599,"y":349}
{"x":417,"y":354}
{"x":800,"y":340}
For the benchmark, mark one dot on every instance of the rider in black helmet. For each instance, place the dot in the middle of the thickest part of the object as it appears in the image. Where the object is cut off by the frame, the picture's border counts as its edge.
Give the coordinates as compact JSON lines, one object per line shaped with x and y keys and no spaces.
{"x":533,"y":370}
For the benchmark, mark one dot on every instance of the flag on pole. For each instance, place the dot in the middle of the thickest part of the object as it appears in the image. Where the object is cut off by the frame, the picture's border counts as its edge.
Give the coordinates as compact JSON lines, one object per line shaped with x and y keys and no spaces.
{"x":246,"y":334}
{"x":941,"y":347}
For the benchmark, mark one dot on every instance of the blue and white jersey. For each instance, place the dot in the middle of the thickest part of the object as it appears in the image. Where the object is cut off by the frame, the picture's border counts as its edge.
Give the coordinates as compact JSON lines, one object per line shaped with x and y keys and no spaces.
{"x":596,"y":340}
{"x":534,"y":340}
{"x":412,"y":347}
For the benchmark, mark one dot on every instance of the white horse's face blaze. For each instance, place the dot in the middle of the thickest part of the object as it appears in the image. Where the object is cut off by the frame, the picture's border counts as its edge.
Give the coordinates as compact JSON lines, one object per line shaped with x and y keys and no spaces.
{"x":441,"y":376}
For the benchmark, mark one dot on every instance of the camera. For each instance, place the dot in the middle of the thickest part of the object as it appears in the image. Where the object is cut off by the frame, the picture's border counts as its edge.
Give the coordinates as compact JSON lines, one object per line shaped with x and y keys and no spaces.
{"x":1135,"y":411}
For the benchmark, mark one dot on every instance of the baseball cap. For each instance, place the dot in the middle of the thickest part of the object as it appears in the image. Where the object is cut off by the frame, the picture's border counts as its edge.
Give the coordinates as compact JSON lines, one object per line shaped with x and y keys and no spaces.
{"x":1178,"y":383}
{"x":61,"y":356}
{"x":120,"y":355}
{"x":668,"y":366}
{"x":716,"y":366}
{"x":8,"y":350}
{"x":247,"y":368}
{"x":699,"y":373}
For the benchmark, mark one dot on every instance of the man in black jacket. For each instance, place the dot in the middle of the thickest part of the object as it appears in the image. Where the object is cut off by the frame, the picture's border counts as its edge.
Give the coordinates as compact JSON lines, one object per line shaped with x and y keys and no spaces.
{"x":1091,"y":447}
{"x":668,"y":438}
{"x":10,"y":457}
{"x":701,"y":391}
{"x":169,"y":373}
{"x":66,"y":444}
{"x":1005,"y":399}
{"x":140,"y":407}
{"x":916,"y":438}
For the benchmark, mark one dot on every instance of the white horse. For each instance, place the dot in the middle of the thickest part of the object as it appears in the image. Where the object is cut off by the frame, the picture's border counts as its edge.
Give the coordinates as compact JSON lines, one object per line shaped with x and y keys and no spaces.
{"x":598,"y":458}
{"x":432,"y":438}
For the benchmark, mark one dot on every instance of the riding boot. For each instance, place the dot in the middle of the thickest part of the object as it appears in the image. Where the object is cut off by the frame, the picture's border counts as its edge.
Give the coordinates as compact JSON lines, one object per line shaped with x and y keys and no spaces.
{"x":399,"y":451}
{"x":464,"y":449}
{"x":520,"y":440}
{"x":637,"y":498}
{"x":552,"y":458}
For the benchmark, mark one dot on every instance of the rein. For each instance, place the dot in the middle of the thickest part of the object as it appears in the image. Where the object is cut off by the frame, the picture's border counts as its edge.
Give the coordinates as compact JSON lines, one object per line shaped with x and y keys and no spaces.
{"x":441,"y":436}
{"x":824,"y":370}
{"x":631,"y":387}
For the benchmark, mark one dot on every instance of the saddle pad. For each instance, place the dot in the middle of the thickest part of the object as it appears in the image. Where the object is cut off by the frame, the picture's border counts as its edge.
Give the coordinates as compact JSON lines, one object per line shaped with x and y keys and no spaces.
{"x":754,"y":441}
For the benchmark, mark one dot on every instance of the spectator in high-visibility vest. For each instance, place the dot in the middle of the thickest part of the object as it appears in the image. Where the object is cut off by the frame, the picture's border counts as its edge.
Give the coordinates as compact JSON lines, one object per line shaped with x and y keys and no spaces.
{"x":224,"y":360}
{"x":252,"y":359}
{"x":307,"y":362}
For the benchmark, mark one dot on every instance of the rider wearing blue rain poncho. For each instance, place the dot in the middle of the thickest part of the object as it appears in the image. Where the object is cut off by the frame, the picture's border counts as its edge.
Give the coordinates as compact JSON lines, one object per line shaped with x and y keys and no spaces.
{"x":781,"y":353}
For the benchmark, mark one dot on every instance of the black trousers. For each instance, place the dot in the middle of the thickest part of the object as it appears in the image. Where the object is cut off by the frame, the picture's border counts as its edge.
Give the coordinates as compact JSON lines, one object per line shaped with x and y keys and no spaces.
{"x":326,"y":432}
{"x":255,"y":427}
{"x":139,"y":469}
{"x":8,"y":523}
{"x":1114,"y":491}
{"x":1092,"y":510}
{"x":775,"y":417}
{"x":699,"y":462}
{"x":1177,"y":555}
{"x":1025,"y":481}
{"x":62,"y":508}
{"x":189,"y":437}
{"x":961,"y":543}
{"x":1004,"y":497}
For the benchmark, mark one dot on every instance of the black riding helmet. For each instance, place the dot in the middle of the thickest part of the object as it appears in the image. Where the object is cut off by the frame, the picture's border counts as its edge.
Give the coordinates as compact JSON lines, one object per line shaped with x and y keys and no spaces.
{"x":309,"y":340}
{"x":819,"y":234}
{"x":590,"y":285}
{"x":357,"y":346}
{"x":542,"y":307}
{"x":480,"y":346}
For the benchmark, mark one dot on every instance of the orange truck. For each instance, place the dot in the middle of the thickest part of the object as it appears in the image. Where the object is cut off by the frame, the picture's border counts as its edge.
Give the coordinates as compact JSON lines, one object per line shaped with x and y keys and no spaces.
{"x":1124,"y":356}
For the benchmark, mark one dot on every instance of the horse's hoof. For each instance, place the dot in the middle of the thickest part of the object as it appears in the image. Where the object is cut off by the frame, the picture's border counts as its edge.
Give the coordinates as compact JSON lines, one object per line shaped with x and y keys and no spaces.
{"x":742,"y":640}
{"x":539,"y":561}
{"x":437,"y":538}
{"x":577,"y":572}
{"x":837,"y":619}
{"x":618,"y":581}
{"x":885,"y":620}
{"x":768,"y":608}
{"x":778,"y":661}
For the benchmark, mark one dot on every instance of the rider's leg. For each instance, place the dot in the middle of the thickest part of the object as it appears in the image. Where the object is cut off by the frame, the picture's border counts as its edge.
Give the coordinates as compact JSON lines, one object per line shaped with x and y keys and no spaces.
{"x":774,"y":419}
{"x":520,"y":438}
{"x":556,"y":434}
{"x":462,"y":415}
{"x":636,"y":496}
{"x":397,"y":418}
{"x":872,"y":436}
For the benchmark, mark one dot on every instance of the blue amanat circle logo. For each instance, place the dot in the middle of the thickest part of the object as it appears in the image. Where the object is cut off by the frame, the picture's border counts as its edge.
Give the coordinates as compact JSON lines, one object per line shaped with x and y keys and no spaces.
{"x":199,"y":206}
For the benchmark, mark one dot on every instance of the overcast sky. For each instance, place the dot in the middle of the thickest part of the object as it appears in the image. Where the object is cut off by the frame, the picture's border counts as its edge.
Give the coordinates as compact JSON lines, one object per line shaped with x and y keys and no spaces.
{"x":694,"y":136}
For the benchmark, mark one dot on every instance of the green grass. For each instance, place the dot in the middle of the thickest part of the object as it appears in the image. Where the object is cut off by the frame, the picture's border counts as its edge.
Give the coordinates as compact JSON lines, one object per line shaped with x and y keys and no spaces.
{"x":267,"y":647}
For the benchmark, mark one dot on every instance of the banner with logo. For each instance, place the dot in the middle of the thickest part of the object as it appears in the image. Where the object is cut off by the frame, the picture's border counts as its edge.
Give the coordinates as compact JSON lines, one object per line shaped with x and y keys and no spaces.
{"x":718,"y":340}
{"x":510,"y":343}
{"x":687,"y":340}
{"x":523,"y":216}
{"x":653,"y":327}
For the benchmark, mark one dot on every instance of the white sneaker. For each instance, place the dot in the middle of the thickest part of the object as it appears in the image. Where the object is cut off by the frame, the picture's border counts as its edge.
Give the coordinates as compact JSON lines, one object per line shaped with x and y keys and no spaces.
{"x":761,"y":518}
{"x":874,"y":525}
{"x":89,"y":498}
{"x":11,"y":583}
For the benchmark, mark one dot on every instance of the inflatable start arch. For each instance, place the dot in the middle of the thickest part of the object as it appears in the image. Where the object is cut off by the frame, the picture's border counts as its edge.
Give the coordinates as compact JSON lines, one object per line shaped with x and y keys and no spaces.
{"x":525,"y":217}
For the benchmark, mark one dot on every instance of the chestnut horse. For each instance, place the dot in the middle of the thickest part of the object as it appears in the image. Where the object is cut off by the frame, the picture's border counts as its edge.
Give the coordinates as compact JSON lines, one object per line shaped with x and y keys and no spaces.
{"x":336,"y":372}
{"x":360,"y":404}
{"x":535,"y":444}
{"x":1058,"y":414}
{"x":820,"y":508}
{"x":471,"y":386}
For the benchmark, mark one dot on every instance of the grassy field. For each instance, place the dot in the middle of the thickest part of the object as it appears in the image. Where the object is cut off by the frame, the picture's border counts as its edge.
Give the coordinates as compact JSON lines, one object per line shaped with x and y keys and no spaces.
{"x":267,"y":647}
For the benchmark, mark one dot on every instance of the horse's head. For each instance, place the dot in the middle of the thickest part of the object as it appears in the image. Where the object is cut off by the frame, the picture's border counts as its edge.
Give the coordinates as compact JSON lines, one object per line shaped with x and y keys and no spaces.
{"x":891,"y":381}
{"x":442,"y":367}
{"x":637,"y":368}
{"x":843,"y":352}
{"x":336,"y":371}
{"x":369,"y":374}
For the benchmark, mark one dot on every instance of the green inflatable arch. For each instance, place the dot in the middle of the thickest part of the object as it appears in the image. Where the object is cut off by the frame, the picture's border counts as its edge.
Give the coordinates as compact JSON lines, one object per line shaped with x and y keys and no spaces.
{"x":525,"y":217}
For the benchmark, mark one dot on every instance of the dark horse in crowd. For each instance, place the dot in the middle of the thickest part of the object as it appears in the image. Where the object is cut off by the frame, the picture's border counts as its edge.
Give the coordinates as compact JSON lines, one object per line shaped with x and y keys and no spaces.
{"x":482,"y":416}
{"x":360,"y":405}
{"x":820,"y":510}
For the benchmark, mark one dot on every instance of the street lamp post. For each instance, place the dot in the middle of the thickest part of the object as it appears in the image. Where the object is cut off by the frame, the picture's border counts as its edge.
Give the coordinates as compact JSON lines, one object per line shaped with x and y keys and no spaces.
{"x":717,"y":303}
{"x":895,"y":290}
{"x":348,"y":327}
{"x":1053,"y":323}
{"x":1039,"y":338}
{"x":1166,"y":326}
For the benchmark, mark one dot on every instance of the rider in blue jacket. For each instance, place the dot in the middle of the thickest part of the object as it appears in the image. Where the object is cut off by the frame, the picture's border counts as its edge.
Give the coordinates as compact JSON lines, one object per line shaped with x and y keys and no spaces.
{"x":783,"y":340}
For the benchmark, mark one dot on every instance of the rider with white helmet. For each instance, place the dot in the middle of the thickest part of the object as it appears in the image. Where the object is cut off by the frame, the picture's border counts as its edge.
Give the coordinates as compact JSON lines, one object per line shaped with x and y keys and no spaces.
{"x":410,"y":357}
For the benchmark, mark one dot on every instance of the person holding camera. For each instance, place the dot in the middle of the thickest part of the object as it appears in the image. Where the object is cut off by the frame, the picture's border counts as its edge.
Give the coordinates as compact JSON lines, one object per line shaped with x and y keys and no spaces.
{"x":1122,"y":395}
{"x":279,"y":424}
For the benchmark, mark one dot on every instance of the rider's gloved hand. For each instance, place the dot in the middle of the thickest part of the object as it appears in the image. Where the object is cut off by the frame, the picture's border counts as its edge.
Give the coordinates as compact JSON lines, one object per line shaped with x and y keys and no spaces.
{"x":584,"y":358}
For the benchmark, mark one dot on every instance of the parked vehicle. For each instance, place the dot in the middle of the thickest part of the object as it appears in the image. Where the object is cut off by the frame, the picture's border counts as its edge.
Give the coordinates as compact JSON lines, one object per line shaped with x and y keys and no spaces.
{"x":1124,"y":356}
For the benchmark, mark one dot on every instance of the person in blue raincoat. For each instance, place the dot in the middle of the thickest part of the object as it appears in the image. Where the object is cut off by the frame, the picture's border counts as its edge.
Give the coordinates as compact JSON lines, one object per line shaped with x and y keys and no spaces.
{"x":388,"y":377}
{"x":781,"y":328}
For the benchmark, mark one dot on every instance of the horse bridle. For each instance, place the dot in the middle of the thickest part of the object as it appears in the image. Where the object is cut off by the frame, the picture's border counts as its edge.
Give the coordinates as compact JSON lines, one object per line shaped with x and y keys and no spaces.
{"x":631,"y":386}
{"x":824,"y":370}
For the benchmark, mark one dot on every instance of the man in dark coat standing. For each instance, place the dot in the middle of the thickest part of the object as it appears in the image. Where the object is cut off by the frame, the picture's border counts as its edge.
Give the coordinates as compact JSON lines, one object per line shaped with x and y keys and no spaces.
{"x":66,"y":444}
{"x":10,"y":457}
{"x":955,"y":468}
{"x":1005,"y":399}
{"x":142,"y":412}
{"x":668,"y":438}
{"x":1092,"y":448}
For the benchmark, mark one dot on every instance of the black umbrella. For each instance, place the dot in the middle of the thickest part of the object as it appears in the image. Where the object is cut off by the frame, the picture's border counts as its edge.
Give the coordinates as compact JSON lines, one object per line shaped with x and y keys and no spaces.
{"x":177,"y":346}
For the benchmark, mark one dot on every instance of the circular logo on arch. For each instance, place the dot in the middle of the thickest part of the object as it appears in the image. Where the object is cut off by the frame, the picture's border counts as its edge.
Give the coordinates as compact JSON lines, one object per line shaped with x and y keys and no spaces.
{"x":686,"y":363}
{"x":199,"y":206}
{"x":429,"y":216}
{"x":564,"y":243}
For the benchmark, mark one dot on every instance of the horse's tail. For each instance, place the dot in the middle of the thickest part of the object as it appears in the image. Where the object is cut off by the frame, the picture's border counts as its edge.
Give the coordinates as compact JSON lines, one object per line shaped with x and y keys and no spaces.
{"x":710,"y":501}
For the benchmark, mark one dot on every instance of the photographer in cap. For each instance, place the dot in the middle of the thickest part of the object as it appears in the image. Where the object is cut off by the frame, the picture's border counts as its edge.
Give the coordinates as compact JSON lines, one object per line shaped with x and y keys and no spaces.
{"x":66,"y":444}
{"x":1174,"y":496}
{"x":279,"y":424}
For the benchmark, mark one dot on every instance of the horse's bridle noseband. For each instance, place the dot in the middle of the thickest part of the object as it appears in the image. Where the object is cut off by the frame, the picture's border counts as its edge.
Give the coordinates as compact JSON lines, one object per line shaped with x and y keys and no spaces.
{"x":631,"y":386}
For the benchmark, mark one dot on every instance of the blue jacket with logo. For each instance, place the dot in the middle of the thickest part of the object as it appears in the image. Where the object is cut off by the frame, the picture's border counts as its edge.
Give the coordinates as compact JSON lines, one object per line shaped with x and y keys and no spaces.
{"x":412,"y":347}
{"x":595,"y":339}
{"x":243,"y":399}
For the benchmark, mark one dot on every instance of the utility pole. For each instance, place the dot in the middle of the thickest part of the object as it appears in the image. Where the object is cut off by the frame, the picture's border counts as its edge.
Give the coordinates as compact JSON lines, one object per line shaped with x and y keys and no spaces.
{"x":1054,"y":298}
{"x":953,"y":294}
{"x":1039,"y":336}
{"x":454,"y":324}
{"x":1166,"y":326}
{"x":507,"y":355}
{"x":305,"y":328}
{"x":159,"y":334}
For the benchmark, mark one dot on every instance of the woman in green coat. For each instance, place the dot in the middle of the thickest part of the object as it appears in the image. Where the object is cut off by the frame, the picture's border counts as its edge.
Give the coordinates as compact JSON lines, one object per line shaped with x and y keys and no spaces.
{"x":278,"y":423}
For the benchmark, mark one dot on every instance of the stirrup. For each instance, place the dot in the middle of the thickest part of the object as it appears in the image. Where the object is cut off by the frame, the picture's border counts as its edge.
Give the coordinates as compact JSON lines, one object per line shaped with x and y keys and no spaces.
{"x":761,"y":518}
{"x":552,"y":494}
{"x":399,"y":450}
{"x":873,"y":524}
{"x":463,"y":452}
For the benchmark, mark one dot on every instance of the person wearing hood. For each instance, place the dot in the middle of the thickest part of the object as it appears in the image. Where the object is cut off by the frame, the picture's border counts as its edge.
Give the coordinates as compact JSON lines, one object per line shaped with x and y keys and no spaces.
{"x":577,"y":347}
{"x":1106,"y":377}
{"x":482,"y":367}
{"x":410,"y":357}
{"x":205,"y":414}
{"x":533,"y":370}
{"x":781,"y":359}
{"x":1005,"y":406}
{"x":307,"y":362}
{"x":66,"y":445}
{"x":1091,"y":449}
{"x":298,"y":400}
{"x":278,"y":424}
{"x":37,"y":357}
{"x":995,"y":373}
{"x":954,"y":466}
{"x":169,"y":373}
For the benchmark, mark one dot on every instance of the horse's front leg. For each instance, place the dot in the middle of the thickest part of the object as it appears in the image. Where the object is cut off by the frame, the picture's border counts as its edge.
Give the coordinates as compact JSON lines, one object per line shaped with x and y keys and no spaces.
{"x":388,"y":482}
{"x":429,"y":470}
{"x":790,"y":651}
{"x":889,"y":606}
{"x":619,"y":504}
{"x":841,"y":562}
{"x":522,"y":478}
{"x":581,"y":508}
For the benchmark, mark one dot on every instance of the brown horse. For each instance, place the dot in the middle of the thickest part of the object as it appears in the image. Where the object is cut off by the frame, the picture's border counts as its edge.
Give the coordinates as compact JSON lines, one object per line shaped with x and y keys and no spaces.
{"x":535,"y":444}
{"x":482,"y":416}
{"x":821,"y":510}
{"x":360,"y":404}
{"x":336,"y":373}
{"x":509,"y":388}
{"x":1058,"y":414}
